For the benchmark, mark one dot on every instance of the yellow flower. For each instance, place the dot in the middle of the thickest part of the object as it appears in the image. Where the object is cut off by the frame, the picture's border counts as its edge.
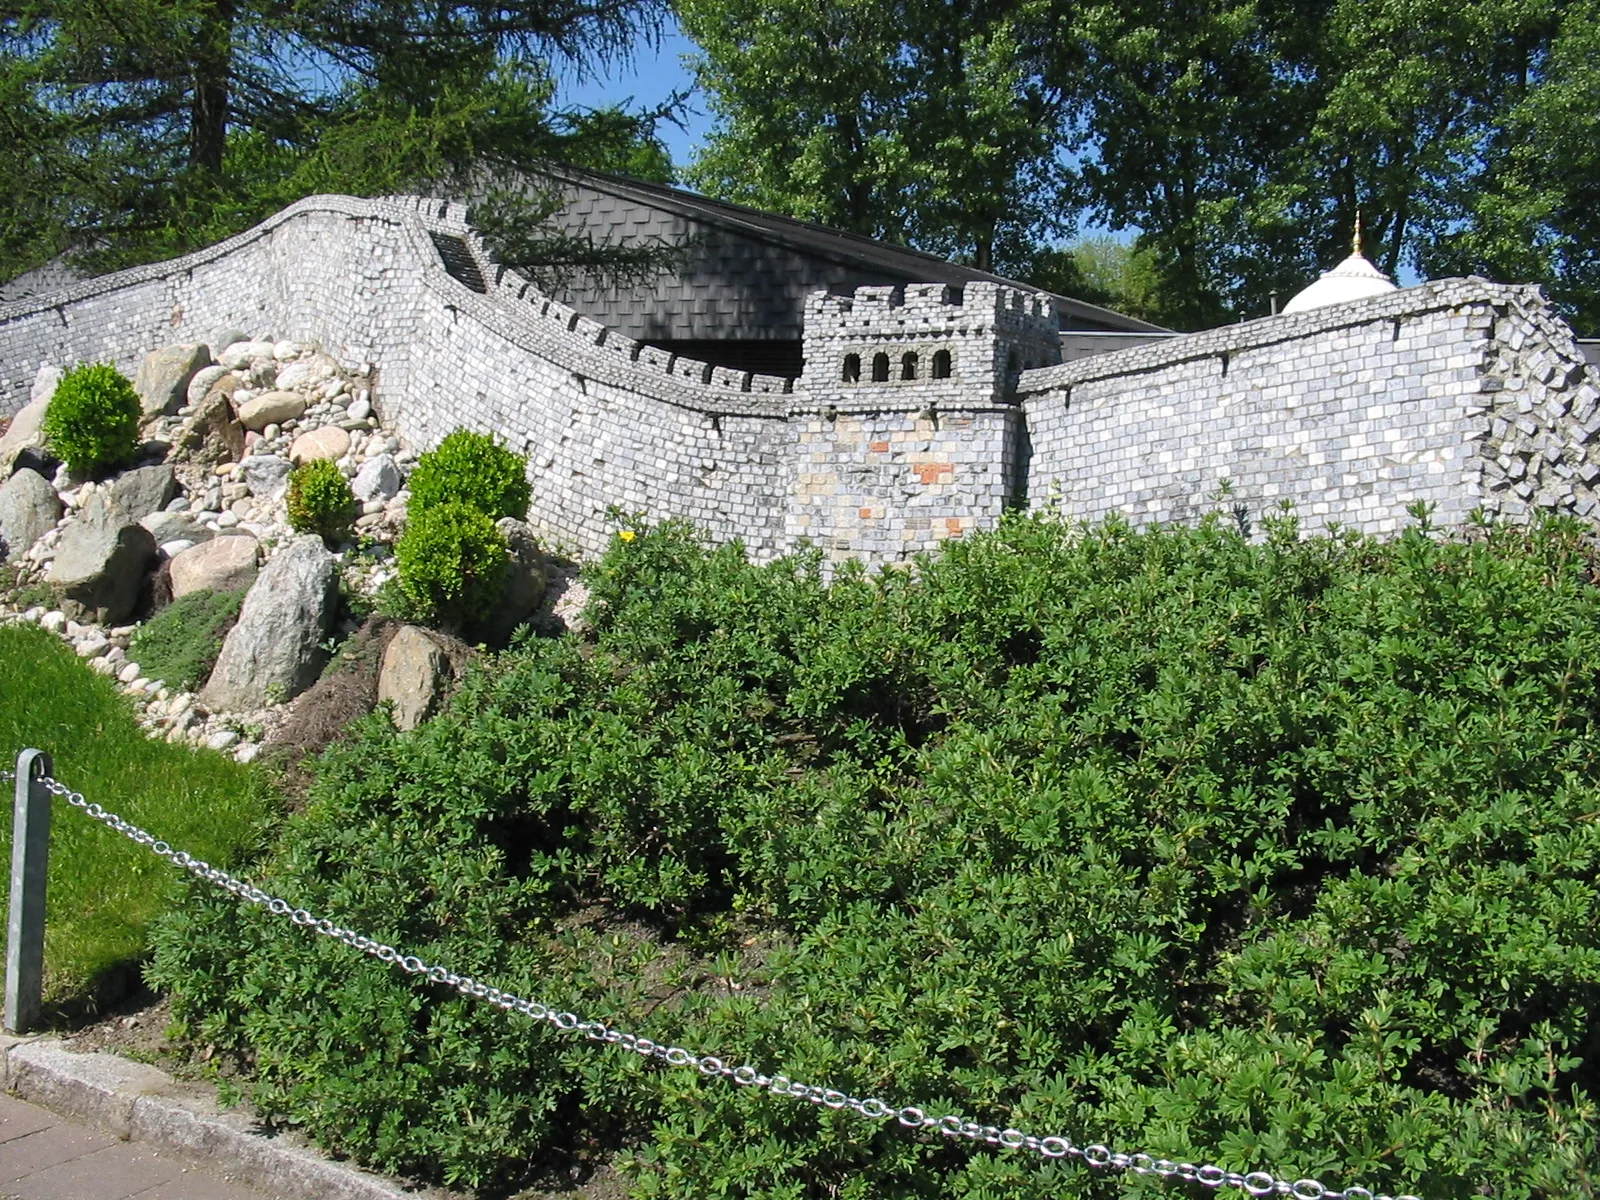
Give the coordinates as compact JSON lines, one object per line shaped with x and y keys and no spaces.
{"x":627,"y":535}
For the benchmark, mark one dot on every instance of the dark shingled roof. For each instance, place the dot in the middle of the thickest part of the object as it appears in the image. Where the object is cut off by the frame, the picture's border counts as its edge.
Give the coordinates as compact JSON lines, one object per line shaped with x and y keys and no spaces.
{"x":745,"y":274}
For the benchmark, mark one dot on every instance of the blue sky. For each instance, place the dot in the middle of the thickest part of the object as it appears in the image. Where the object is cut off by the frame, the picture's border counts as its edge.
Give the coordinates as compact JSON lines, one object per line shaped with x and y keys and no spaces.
{"x":649,"y":79}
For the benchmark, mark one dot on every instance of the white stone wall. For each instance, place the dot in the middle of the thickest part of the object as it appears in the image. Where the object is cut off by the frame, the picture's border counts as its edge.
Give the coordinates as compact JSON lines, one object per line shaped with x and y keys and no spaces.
{"x":1459,"y":394}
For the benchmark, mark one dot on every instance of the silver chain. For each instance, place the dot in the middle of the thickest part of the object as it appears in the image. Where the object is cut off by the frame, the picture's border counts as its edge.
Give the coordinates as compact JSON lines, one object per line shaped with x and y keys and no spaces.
{"x":1256,"y":1183}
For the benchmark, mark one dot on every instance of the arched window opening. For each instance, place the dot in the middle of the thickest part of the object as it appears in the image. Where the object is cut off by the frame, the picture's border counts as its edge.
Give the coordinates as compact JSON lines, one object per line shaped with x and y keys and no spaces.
{"x":908,"y":366}
{"x":941,"y":364}
{"x":852,"y":368}
{"x":880,"y":368}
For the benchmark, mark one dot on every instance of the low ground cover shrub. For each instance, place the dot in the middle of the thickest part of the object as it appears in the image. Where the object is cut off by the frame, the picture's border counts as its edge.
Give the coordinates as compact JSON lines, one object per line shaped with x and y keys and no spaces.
{"x":103,"y":889}
{"x":472,"y":469}
{"x":92,"y":421}
{"x":319,"y":499}
{"x":1273,"y":855}
{"x":180,"y":644}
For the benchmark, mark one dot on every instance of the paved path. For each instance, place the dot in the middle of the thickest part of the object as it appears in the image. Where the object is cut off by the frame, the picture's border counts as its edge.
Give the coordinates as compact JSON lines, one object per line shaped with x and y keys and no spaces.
{"x":46,"y":1157}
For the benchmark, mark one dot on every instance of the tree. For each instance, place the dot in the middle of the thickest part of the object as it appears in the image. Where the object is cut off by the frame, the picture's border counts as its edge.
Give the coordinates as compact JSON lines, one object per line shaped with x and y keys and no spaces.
{"x":143,"y":128}
{"x":919,"y":122}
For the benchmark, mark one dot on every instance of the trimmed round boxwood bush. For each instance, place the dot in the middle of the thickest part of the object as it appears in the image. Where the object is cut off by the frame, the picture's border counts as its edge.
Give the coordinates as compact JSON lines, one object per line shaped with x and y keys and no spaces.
{"x":319,"y":499}
{"x":452,"y":563}
{"x":472,"y":469}
{"x":1277,"y":856}
{"x":92,"y":421}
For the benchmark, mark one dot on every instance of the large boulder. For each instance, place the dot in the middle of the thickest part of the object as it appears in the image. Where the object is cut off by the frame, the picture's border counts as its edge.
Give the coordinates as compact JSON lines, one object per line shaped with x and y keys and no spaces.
{"x":24,"y":438}
{"x":163,"y":379}
{"x":523,"y":587}
{"x":210,"y":434}
{"x":102,"y":562}
{"x":223,"y":564}
{"x":328,"y":442}
{"x":144,"y":490}
{"x":413,"y":677}
{"x":271,"y":408}
{"x":29,"y":509}
{"x":274,"y":652}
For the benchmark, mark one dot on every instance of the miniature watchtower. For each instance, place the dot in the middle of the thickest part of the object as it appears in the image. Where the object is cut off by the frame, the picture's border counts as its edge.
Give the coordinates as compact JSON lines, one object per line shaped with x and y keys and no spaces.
{"x":928,"y":343}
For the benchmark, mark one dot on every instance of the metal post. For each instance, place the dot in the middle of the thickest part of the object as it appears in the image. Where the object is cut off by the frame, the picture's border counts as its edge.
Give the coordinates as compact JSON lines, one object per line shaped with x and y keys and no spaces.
{"x":30,"y":861}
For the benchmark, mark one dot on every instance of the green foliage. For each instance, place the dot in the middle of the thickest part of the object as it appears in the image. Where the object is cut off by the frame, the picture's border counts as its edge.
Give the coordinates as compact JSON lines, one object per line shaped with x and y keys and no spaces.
{"x":103,"y":889}
{"x":92,"y":421}
{"x":180,"y":644}
{"x":452,"y":563}
{"x":912,"y":122}
{"x":472,"y":469}
{"x":319,"y":499}
{"x":1275,"y":855}
{"x":166,"y":125}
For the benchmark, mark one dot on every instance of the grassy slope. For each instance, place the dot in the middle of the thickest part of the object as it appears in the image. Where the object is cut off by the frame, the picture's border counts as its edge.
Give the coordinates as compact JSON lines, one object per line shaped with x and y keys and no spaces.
{"x":103,"y":888}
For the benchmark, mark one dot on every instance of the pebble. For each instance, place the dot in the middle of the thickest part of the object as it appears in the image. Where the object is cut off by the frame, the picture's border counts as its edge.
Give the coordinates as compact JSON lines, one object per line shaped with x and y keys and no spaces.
{"x":181,"y":504}
{"x":247,"y":752}
{"x":55,"y":622}
{"x":129,"y":672}
{"x":360,"y":410}
{"x":224,"y":740}
{"x":92,"y":647}
{"x":227,"y":520}
{"x":270,"y":432}
{"x":175,"y":547}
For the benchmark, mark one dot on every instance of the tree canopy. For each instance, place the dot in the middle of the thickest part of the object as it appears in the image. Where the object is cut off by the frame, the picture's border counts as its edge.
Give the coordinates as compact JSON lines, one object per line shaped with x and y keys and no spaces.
{"x":136,"y":129}
{"x":1234,"y":139}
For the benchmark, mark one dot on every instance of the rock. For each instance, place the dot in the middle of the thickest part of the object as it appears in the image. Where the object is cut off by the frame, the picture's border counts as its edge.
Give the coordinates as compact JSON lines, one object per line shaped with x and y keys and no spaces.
{"x":220,"y":339}
{"x":266,"y":474}
{"x":274,"y":652}
{"x":24,"y":435}
{"x":224,"y":564}
{"x":175,"y":547}
{"x":227,"y":519}
{"x":307,"y":372}
{"x":203,"y":381}
{"x":210,"y":434}
{"x":144,"y":490}
{"x":328,"y":442}
{"x":29,"y":509}
{"x":129,"y":673}
{"x":413,"y":677}
{"x":163,"y":379}
{"x":378,"y":479}
{"x":242,"y":354}
{"x":102,"y":562}
{"x":175,"y":526}
{"x":286,"y":350}
{"x":55,"y":622}
{"x":271,"y":408}
{"x":223,"y":739}
{"x":524,"y":585}
{"x":360,"y":410}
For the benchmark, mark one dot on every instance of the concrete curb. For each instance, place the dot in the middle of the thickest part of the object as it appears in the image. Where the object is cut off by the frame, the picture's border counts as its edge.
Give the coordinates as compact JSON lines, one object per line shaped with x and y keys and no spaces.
{"x":140,"y":1103}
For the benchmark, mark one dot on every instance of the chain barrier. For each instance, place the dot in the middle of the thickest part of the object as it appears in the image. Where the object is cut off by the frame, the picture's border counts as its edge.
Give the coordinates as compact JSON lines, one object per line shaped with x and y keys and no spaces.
{"x":1256,"y":1183}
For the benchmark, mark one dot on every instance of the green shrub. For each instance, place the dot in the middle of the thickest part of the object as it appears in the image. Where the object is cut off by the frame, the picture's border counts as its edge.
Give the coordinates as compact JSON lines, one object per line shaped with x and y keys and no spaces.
{"x":472,"y":469}
{"x":452,"y":563}
{"x":1279,"y":856}
{"x":92,"y":421}
{"x":319,"y":499}
{"x":180,"y":644}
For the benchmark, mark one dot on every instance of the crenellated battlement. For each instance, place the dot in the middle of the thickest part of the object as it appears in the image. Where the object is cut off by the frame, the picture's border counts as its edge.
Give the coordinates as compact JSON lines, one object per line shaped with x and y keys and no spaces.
{"x":952,"y":346}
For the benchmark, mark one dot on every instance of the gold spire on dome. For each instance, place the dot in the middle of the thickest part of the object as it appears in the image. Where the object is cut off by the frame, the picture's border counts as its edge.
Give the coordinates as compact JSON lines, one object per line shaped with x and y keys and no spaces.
{"x":1355,"y":242}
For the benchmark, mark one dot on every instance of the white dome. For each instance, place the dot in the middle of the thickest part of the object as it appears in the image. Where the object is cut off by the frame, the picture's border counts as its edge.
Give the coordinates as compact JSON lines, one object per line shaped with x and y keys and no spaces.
{"x":1353,"y":279}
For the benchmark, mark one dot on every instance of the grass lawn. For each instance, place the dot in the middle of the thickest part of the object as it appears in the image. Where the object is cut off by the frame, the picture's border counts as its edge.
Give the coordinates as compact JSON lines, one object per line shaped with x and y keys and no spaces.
{"x":103,"y":889}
